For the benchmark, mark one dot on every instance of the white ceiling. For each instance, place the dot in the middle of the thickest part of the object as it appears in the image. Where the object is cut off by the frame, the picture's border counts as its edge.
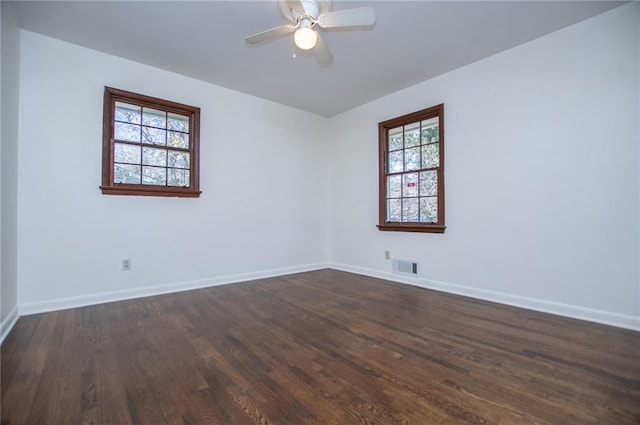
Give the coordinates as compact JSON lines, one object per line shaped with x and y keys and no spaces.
{"x":412,"y":41}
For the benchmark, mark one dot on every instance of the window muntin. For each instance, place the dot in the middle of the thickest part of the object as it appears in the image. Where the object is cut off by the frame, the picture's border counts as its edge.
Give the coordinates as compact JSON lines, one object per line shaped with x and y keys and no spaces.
{"x":150,"y":146}
{"x":412,"y":172}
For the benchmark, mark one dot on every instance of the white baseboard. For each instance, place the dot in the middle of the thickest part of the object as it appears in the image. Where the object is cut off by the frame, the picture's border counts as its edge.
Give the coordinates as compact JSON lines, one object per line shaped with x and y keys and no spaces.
{"x":567,"y":310}
{"x":8,"y":323}
{"x":105,"y":297}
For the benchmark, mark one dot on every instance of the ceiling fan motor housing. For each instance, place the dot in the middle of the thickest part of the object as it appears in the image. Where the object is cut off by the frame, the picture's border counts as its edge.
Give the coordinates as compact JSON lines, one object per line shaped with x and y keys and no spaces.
{"x":310,"y":8}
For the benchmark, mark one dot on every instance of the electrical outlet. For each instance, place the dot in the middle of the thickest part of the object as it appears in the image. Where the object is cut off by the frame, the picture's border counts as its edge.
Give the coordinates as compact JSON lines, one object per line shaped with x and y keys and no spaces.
{"x":126,"y":264}
{"x":387,"y":255}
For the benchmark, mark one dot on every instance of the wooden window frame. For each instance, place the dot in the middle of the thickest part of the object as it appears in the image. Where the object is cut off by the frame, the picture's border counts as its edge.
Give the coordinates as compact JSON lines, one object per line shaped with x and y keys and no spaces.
{"x":109,"y":187}
{"x":383,"y":142}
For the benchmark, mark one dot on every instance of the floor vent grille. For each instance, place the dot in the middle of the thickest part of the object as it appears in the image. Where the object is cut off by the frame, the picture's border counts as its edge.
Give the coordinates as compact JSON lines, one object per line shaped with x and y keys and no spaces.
{"x":405,"y":267}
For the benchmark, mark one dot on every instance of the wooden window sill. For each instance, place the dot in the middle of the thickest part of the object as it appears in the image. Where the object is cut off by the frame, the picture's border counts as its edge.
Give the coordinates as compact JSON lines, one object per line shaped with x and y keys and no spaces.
{"x":411,"y":227}
{"x":150,"y":191}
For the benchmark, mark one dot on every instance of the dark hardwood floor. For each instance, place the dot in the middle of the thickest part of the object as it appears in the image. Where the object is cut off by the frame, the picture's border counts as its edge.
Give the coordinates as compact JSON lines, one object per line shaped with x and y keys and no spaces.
{"x":323,"y":347}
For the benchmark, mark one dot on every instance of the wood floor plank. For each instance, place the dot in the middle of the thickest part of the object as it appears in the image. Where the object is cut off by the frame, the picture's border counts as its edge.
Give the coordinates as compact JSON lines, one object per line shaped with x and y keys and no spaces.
{"x":323,"y":347}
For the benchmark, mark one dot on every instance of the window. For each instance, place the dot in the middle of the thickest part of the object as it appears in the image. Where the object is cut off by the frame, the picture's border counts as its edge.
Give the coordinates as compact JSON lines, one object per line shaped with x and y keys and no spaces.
{"x":149,"y":146}
{"x":412,"y":172}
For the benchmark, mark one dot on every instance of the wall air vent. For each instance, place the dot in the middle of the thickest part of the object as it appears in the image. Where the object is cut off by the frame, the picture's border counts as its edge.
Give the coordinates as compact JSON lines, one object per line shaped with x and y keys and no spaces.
{"x":404,"y":267}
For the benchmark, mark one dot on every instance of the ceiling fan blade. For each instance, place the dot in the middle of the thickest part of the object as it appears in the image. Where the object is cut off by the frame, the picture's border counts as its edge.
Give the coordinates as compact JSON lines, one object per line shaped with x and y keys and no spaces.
{"x":268,"y":35}
{"x":295,"y":5}
{"x":358,"y":17}
{"x":322,"y":53}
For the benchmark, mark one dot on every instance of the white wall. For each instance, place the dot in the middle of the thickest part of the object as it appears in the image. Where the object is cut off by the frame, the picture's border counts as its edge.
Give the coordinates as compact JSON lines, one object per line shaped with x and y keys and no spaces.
{"x":638,"y":88}
{"x":9,"y":166}
{"x":541,"y":165}
{"x":263,"y":177}
{"x":541,"y":176}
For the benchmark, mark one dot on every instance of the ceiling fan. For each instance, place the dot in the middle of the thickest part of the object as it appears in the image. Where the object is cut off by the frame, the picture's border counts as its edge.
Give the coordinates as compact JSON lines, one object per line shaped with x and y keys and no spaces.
{"x":307,"y":15}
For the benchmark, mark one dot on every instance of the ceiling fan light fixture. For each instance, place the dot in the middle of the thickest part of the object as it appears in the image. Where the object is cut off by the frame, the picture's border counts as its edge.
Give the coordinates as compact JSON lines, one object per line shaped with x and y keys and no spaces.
{"x":307,"y":16}
{"x":305,"y":37}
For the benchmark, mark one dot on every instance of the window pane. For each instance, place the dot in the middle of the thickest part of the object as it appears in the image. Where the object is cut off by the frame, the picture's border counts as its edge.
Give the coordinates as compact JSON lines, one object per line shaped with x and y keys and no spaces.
{"x":178,"y":177}
{"x":431,"y":156}
{"x":155,"y":136}
{"x":429,"y":210}
{"x":429,"y":183}
{"x":410,"y":184}
{"x":394,"y":186}
{"x":126,"y":153}
{"x":126,"y":173}
{"x":178,"y":140}
{"x":412,"y":166}
{"x":430,"y":131}
{"x":394,"y":210}
{"x":412,"y":159}
{"x":178,"y":159}
{"x":126,"y":132}
{"x":410,"y":210}
{"x":412,"y":135}
{"x":154,"y":117}
{"x":126,"y":112}
{"x":154,"y":175}
{"x":139,"y":133}
{"x":395,"y":161}
{"x":153,"y":156}
{"x":178,"y":122}
{"x":395,"y":139}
